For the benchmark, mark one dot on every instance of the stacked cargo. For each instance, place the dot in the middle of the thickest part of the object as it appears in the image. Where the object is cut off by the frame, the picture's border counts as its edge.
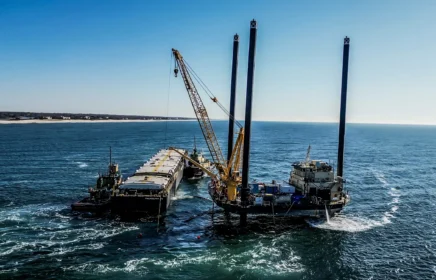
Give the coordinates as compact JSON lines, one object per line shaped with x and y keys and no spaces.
{"x":150,"y":189}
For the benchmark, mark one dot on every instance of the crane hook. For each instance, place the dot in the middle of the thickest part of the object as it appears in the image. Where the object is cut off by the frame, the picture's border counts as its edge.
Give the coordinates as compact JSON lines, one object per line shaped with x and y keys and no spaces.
{"x":175,"y":72}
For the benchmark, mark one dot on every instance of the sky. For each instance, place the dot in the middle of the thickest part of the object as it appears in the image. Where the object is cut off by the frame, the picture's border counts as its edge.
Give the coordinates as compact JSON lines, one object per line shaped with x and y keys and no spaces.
{"x":114,"y":57}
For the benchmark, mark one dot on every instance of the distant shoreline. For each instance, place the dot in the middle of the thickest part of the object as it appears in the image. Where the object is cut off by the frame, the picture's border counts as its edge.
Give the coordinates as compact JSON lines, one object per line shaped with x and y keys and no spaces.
{"x":45,"y":121}
{"x":81,"y":121}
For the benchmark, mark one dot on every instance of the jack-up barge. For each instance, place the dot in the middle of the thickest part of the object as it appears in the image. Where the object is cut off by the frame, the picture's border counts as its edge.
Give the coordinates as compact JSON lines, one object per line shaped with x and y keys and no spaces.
{"x":313,"y":189}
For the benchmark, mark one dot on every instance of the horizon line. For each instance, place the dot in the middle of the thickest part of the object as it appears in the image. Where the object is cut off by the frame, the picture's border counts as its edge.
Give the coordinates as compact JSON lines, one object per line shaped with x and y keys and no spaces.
{"x":220,"y":119}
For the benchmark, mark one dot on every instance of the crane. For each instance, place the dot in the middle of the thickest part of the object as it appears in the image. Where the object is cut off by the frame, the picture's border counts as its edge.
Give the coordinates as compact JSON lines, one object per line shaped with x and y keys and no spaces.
{"x":228,"y":172}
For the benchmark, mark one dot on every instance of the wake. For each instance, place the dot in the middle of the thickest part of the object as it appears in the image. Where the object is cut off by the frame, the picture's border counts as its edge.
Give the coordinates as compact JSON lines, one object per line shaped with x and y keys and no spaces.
{"x":350,"y":223}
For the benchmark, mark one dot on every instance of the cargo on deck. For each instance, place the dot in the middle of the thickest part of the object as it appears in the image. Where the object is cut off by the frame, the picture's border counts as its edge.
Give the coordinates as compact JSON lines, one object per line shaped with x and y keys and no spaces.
{"x":149,"y":191}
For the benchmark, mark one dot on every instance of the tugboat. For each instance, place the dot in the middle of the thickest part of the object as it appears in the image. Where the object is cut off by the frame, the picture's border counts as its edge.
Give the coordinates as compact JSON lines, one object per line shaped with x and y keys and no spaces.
{"x":100,"y":195}
{"x":193,"y":172}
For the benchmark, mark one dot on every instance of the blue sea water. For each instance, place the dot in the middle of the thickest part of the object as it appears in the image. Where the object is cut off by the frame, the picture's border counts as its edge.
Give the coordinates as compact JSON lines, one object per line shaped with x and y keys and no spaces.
{"x":388,"y":231}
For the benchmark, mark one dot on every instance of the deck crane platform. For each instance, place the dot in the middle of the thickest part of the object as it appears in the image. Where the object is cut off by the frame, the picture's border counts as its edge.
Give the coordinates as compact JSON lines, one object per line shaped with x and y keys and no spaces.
{"x":228,"y":172}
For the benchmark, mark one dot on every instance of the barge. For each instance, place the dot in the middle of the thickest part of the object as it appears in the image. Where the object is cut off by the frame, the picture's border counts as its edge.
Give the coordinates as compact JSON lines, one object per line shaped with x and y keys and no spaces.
{"x":149,"y":191}
{"x":313,"y":189}
{"x":100,"y":195}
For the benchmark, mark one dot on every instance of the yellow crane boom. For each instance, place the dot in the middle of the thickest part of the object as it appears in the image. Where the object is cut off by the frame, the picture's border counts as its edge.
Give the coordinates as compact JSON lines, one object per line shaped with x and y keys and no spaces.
{"x":201,"y":114}
{"x":228,"y":171}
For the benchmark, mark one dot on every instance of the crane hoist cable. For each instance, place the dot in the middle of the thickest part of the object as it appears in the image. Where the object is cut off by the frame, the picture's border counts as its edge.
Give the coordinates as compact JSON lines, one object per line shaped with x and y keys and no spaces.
{"x":209,"y":93}
{"x":168,"y":100}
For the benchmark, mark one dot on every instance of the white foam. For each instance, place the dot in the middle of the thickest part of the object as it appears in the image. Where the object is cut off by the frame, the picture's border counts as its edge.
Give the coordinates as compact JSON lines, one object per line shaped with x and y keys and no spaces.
{"x":46,"y":211}
{"x":180,"y":195}
{"x":357,"y":224}
{"x":88,"y":234}
{"x":388,"y":215}
{"x":19,"y":246}
{"x":132,"y":266}
{"x":381,"y":177}
{"x":264,"y":258}
{"x":68,"y":237}
{"x":58,"y":233}
{"x":8,"y":270}
{"x":8,"y":252}
{"x":62,"y":251}
{"x":12,"y":217}
{"x":81,"y":164}
{"x":395,"y":195}
{"x":348,"y":224}
{"x":395,"y":200}
{"x":394,"y":192}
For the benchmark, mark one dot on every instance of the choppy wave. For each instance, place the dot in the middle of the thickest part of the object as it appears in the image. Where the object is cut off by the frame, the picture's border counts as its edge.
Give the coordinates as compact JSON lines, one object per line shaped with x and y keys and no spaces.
{"x":131,"y":266}
{"x":54,"y":232}
{"x":62,"y":242}
{"x":261,"y":258}
{"x":12,"y":217}
{"x":8,"y":270}
{"x":267,"y":259}
{"x":30,"y":211}
{"x":392,"y":206}
{"x":62,"y":251}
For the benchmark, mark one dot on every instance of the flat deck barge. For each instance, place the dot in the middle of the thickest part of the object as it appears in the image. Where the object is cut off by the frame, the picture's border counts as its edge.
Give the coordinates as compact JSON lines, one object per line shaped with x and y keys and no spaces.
{"x":149,"y":191}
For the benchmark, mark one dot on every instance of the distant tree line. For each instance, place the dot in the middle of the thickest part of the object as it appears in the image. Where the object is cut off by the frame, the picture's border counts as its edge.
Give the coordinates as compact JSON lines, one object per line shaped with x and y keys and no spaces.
{"x":70,"y":116}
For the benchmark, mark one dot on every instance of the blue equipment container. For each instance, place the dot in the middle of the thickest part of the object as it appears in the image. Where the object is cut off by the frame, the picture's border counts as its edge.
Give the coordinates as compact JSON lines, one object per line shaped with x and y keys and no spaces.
{"x":273,"y":189}
{"x":254,"y":188}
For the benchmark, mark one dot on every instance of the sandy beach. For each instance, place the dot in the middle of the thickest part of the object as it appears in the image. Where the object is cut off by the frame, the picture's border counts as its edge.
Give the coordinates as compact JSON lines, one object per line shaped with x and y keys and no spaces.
{"x":79,"y":121}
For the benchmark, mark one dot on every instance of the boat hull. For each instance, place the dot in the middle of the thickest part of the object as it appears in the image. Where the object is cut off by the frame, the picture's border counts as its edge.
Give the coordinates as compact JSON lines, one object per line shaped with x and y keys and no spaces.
{"x":193,"y":173}
{"x":296,"y":206}
{"x":90,"y":206}
{"x":298,"y":211}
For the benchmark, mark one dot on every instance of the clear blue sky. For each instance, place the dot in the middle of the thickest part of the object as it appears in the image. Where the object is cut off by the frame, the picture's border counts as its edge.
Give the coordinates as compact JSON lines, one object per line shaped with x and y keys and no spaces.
{"x":90,"y":56}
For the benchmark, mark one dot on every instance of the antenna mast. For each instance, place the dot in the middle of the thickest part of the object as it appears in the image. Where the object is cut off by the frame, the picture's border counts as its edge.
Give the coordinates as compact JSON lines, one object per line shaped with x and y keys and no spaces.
{"x":308,"y":155}
{"x":110,"y":155}
{"x":195,"y":145}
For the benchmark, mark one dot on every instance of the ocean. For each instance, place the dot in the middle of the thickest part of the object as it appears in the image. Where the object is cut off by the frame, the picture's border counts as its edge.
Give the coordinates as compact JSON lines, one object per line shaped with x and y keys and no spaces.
{"x":388,"y":231}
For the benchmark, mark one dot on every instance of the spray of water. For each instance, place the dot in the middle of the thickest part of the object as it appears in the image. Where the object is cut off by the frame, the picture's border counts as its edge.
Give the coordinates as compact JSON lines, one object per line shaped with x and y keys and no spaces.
{"x":327,"y":214}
